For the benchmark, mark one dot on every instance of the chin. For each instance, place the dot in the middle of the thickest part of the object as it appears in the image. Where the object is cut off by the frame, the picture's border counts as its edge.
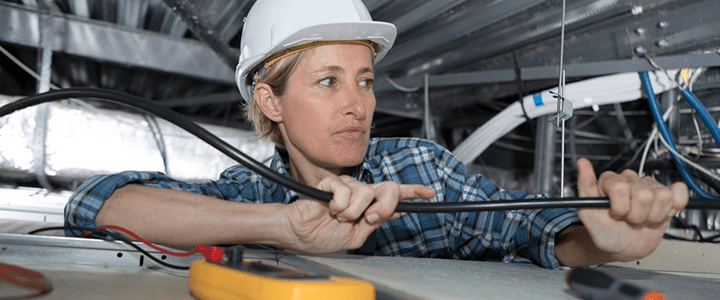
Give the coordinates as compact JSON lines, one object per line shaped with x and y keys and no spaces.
{"x":344,"y":161}
{"x":350,"y":157}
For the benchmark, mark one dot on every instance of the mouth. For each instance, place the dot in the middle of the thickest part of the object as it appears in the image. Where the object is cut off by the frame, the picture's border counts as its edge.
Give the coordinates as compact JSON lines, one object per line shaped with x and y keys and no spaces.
{"x":353,"y":131}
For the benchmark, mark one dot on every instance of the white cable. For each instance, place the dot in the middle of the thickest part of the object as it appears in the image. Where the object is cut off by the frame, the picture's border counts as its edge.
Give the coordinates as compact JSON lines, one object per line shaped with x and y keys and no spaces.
{"x":23,"y":66}
{"x":617,"y":88}
{"x":688,"y":161}
{"x":645,"y":152}
{"x":696,"y":74}
{"x":402,"y":88}
{"x":679,"y":86}
{"x":697,"y":129}
{"x":37,"y":77}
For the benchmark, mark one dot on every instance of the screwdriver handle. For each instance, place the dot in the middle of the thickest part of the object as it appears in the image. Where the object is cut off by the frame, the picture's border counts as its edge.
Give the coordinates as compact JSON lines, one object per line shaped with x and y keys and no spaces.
{"x":593,"y":284}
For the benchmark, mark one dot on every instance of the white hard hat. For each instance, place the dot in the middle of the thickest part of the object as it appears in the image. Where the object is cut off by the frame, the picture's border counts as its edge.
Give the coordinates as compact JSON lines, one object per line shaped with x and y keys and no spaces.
{"x":272,"y":26}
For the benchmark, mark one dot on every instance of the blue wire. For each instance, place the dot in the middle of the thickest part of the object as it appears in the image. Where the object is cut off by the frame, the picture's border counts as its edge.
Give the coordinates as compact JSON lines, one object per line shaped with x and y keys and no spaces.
{"x":703,"y":113}
{"x":666,"y":134}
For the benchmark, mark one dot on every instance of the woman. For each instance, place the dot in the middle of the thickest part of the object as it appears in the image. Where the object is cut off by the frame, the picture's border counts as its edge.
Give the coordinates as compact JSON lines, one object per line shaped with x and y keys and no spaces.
{"x":309,"y":86}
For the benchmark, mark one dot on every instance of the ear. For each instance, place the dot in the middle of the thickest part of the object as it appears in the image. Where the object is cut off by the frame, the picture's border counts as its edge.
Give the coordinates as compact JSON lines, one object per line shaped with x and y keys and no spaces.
{"x":268,"y":102}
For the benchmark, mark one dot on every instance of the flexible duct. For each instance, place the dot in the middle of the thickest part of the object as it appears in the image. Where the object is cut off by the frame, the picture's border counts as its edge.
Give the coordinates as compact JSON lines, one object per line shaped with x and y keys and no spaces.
{"x":83,"y":141}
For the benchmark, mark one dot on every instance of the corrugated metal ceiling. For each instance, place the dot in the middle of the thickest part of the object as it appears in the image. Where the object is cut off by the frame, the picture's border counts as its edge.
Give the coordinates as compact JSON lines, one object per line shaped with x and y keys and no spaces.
{"x":472,"y":50}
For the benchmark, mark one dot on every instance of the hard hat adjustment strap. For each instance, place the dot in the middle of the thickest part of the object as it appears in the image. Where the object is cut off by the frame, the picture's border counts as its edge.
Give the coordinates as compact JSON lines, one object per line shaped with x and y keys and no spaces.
{"x":277,"y":56}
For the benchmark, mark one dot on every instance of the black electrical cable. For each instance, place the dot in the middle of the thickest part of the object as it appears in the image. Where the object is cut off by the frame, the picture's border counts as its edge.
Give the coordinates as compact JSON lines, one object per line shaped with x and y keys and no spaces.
{"x":114,"y":235}
{"x":540,"y":203}
{"x":681,"y":223}
{"x":172,"y":117}
{"x":711,"y":239}
{"x":227,"y":149}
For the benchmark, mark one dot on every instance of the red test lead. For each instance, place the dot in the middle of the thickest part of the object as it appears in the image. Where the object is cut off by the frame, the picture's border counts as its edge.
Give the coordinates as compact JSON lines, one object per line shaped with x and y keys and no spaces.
{"x":211,"y":253}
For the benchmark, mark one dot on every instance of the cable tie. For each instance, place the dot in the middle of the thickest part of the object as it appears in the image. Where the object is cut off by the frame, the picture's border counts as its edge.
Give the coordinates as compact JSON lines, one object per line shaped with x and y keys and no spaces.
{"x":522,"y":105}
{"x":518,"y":79}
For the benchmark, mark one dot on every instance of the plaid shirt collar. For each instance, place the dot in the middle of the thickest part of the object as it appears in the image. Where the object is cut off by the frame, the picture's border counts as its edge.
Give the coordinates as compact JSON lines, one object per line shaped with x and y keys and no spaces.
{"x":362,"y":172}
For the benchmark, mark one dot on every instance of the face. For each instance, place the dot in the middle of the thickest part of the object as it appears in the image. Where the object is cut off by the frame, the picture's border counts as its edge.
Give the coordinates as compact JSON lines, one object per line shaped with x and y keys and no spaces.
{"x":326,"y":112}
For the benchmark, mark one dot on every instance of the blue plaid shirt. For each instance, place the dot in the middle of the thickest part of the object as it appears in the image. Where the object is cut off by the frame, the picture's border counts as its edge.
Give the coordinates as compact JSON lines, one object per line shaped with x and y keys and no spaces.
{"x":509,"y":236}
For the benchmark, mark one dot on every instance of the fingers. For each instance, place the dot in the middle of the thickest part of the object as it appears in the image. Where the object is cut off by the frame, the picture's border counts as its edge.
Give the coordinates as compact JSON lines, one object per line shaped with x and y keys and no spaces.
{"x":352,"y":198}
{"x":361,"y":195}
{"x":641,"y":201}
{"x":340,"y":191}
{"x":388,"y":194}
{"x":412,"y":191}
{"x":680,"y":192}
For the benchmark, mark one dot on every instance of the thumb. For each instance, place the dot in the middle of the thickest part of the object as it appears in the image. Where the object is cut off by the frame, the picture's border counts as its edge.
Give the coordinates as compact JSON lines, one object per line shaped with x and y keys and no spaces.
{"x":587,"y":180}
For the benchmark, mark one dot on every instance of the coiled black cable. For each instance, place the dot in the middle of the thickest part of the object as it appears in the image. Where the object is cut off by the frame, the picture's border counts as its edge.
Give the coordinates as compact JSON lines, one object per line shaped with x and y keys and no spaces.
{"x":247,"y":161}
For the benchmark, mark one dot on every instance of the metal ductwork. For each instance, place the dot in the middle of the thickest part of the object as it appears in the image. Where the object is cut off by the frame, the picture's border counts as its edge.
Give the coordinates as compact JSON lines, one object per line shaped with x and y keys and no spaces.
{"x":81,"y":141}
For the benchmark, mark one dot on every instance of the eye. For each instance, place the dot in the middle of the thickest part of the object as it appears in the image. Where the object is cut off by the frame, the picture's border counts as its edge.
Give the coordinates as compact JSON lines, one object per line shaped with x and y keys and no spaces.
{"x":328,"y":81}
{"x":367,"y":82}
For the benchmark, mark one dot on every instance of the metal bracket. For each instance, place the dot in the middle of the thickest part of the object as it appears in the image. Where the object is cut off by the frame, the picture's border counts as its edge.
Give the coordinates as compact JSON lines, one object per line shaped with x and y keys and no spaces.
{"x":565,"y":110}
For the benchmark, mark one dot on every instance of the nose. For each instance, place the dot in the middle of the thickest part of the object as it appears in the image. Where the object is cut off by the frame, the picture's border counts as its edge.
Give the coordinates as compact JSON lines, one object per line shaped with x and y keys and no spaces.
{"x":356,"y":104}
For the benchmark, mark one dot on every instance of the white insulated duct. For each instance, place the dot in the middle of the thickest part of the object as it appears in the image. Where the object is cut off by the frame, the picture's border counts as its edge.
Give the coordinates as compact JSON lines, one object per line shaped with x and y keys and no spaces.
{"x":81,"y":141}
{"x":618,"y":88}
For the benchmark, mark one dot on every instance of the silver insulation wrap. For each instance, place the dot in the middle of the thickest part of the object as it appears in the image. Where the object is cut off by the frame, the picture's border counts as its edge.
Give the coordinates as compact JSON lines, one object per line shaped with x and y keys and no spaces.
{"x":81,"y":141}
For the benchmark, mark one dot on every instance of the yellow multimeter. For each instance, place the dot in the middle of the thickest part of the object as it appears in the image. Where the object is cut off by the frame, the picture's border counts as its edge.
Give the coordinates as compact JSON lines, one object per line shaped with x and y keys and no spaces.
{"x":236,"y":278}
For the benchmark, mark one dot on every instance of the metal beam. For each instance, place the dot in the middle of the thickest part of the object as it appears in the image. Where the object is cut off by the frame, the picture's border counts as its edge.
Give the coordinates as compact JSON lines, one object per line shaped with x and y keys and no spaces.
{"x":484,"y":15}
{"x":423,"y":13}
{"x":550,"y":72}
{"x":115,"y":44}
{"x":205,"y":99}
{"x":625,"y":65}
{"x":524,"y":32}
{"x":199,"y":24}
{"x":394,"y":102}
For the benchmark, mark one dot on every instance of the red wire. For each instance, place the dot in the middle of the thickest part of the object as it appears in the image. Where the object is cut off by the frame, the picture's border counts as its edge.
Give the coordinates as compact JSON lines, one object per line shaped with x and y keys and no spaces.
{"x":191,"y":252}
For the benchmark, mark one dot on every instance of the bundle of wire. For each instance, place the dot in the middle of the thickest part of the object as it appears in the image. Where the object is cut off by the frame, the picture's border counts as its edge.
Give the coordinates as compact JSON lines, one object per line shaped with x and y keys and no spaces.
{"x":665,"y":132}
{"x":617,"y":88}
{"x":409,"y":207}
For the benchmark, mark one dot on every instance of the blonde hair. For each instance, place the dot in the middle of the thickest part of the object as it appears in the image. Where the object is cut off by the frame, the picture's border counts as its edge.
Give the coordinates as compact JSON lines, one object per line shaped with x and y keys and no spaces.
{"x":277,"y":77}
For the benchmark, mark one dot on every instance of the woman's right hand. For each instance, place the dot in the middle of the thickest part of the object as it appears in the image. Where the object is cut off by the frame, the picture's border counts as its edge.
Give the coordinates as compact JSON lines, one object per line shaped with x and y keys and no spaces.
{"x":355,"y":211}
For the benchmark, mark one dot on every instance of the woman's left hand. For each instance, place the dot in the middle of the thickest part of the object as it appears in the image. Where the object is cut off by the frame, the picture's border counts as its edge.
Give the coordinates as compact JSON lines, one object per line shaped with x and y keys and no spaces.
{"x":640,"y":210}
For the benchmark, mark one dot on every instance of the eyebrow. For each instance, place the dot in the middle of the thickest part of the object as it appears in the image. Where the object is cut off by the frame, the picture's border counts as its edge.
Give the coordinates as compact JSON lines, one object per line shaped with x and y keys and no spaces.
{"x":339,"y":69}
{"x":366,"y":70}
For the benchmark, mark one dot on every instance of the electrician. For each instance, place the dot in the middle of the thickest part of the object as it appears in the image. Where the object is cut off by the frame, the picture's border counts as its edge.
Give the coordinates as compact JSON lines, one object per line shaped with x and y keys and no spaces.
{"x":306,"y":72}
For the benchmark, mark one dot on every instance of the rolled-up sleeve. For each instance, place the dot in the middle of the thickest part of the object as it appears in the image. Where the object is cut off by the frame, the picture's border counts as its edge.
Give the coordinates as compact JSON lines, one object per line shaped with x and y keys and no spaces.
{"x":509,"y":236}
{"x":86,"y":201}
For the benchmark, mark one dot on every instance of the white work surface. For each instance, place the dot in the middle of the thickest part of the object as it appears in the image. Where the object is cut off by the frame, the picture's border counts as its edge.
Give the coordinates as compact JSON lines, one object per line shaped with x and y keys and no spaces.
{"x":92,"y":282}
{"x":416,"y":278}
{"x":457,"y":279}
{"x":92,"y":269}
